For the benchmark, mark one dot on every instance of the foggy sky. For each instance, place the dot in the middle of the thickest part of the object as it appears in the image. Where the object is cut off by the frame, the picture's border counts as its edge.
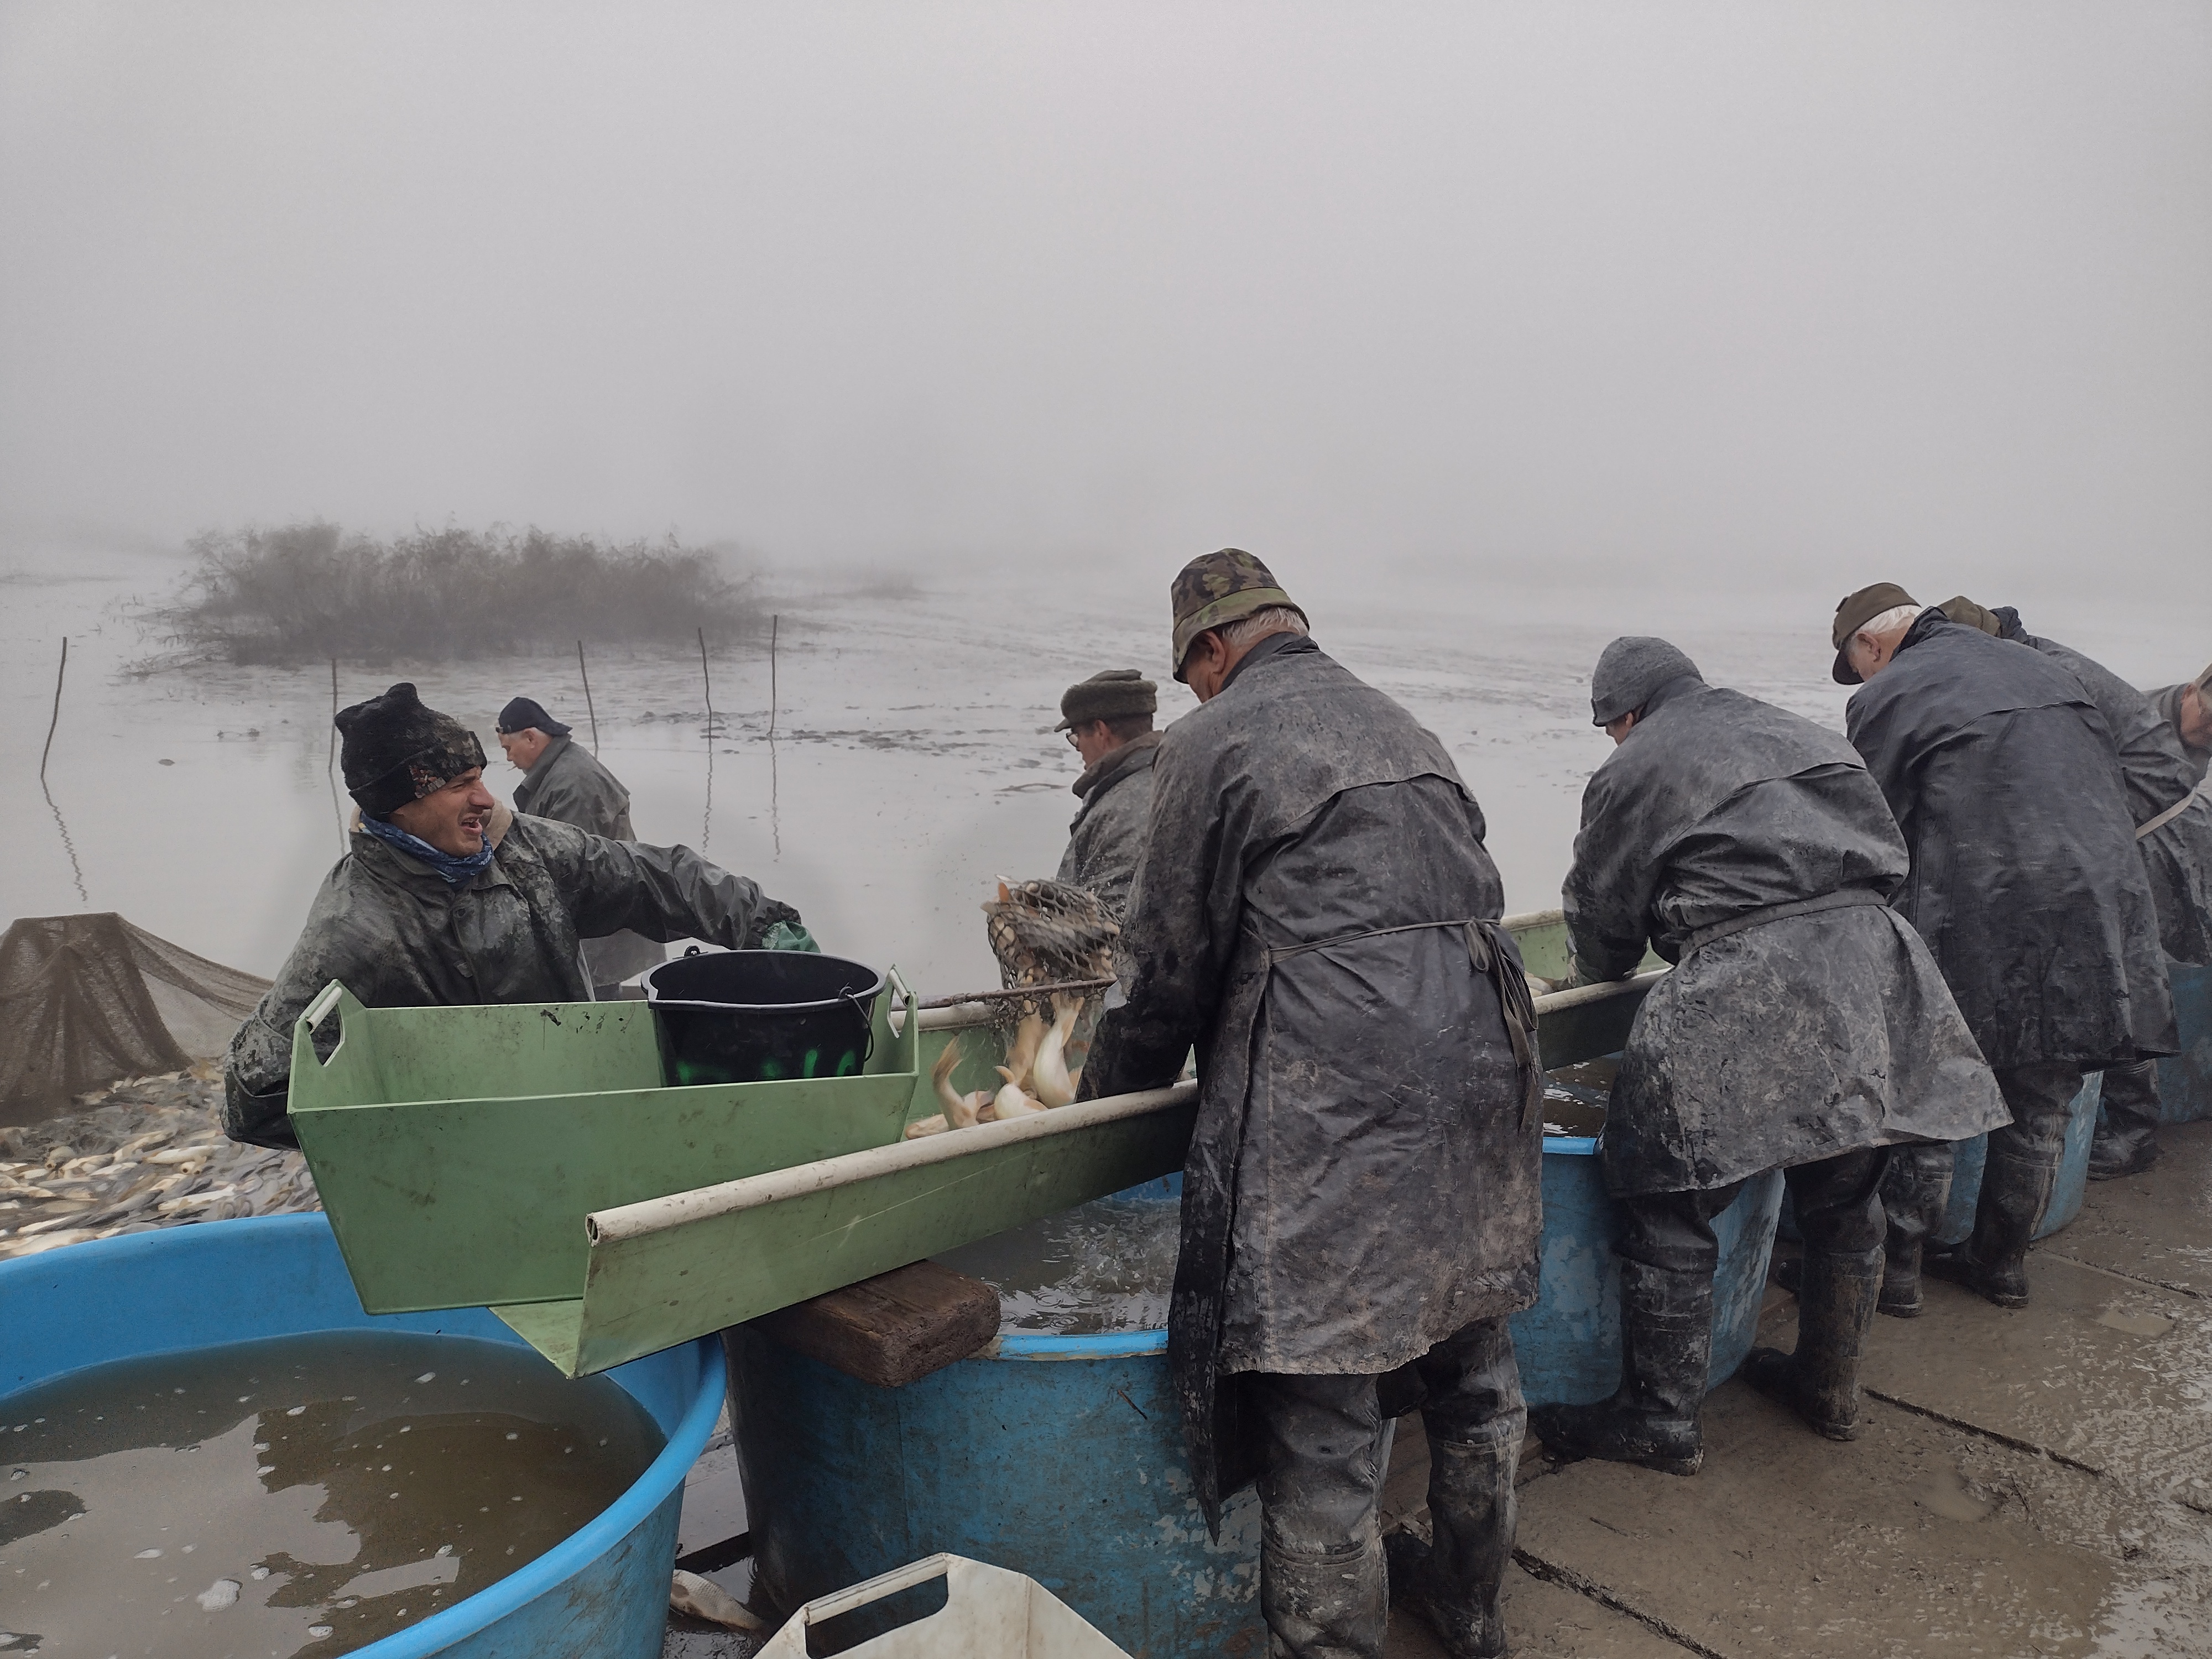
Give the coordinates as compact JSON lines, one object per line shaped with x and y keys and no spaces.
{"x":1746,"y":292}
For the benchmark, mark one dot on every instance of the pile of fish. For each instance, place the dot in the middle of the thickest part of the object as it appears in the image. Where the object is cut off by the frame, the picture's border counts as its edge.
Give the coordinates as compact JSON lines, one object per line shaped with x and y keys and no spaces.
{"x":148,"y":1153}
{"x":1036,"y":1078}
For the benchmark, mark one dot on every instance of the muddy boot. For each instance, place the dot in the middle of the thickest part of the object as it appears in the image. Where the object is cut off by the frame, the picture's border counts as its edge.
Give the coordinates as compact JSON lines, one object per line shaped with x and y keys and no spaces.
{"x":1325,"y":1604}
{"x":2127,"y":1130}
{"x":1464,"y":1632}
{"x":1820,"y":1381}
{"x":1915,"y":1188}
{"x":1666,"y":1343}
{"x":1993,"y":1261}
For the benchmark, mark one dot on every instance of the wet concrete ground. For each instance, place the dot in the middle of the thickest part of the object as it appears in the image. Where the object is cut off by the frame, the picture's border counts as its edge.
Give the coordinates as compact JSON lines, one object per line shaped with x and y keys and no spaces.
{"x":2025,"y":1483}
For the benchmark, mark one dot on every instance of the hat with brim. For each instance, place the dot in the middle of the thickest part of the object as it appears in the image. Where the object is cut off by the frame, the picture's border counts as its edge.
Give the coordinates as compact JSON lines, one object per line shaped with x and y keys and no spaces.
{"x":1216,"y":589}
{"x":1856,"y":611}
{"x":1116,"y":693}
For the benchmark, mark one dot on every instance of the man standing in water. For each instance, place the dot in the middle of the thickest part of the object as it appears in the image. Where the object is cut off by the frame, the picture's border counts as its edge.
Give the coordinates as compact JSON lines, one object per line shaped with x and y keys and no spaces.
{"x":445,"y":898}
{"x":1108,"y":722}
{"x":1317,"y":913}
{"x":2026,"y":887}
{"x":2174,"y":832}
{"x":1804,"y":1027}
{"x":565,"y":782}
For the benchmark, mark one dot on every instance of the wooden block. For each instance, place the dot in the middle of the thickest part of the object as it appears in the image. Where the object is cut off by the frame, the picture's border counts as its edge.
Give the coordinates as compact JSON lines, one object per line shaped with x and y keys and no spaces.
{"x":893,"y":1328}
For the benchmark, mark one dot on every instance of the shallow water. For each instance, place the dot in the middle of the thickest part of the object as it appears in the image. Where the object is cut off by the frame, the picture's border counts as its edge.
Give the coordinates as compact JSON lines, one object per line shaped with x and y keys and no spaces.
{"x":302,"y":1495}
{"x":1102,"y":1266}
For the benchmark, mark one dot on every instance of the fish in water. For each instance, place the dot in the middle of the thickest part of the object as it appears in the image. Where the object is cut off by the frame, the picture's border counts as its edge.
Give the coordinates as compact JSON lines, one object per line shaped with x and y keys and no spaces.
{"x":1049,"y":1074}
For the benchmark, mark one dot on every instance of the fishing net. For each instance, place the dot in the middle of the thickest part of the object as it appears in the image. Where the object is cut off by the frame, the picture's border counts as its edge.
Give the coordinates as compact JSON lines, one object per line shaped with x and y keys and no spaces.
{"x":1049,"y":933}
{"x":87,"y":1000}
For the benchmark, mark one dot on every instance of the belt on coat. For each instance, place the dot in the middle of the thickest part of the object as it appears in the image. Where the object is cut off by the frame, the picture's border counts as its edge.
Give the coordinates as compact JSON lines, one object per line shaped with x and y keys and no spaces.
{"x":1759,"y":918}
{"x":1493,"y":959}
{"x":2176,"y":809}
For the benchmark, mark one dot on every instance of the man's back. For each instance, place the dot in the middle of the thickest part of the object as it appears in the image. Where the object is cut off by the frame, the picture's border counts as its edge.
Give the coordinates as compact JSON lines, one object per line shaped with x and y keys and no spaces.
{"x":2025,"y":881}
{"x":569,"y":786}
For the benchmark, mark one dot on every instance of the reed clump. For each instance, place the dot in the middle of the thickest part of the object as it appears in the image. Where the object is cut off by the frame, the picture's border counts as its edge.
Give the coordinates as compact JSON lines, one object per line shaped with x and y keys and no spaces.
{"x":309,"y":591}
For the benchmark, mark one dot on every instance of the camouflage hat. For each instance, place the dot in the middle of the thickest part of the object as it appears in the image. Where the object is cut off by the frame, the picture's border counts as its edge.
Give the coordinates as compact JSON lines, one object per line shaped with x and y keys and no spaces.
{"x":1854,"y":612}
{"x":1217,"y":588}
{"x":2203,"y":681}
{"x":1114,"y":694}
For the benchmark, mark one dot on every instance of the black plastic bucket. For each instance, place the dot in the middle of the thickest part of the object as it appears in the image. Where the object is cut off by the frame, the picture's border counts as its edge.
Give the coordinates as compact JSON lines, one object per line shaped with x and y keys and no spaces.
{"x":762,"y":1016}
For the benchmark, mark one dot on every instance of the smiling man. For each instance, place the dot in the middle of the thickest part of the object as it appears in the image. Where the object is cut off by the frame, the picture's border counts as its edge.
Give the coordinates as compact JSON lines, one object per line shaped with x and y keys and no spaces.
{"x":445,"y":897}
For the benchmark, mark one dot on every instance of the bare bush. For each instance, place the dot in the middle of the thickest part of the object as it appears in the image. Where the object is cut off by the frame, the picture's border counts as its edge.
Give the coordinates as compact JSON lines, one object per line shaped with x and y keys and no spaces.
{"x":308,"y":591}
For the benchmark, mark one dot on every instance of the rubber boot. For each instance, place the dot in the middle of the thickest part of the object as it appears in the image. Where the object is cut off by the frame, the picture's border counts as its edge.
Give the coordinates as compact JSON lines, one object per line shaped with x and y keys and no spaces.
{"x":1454,"y":1584}
{"x":2127,"y":1128}
{"x":1665,"y":1348}
{"x":1915,"y":1189}
{"x":1820,"y":1381}
{"x":1993,"y":1261}
{"x":1325,"y":1604}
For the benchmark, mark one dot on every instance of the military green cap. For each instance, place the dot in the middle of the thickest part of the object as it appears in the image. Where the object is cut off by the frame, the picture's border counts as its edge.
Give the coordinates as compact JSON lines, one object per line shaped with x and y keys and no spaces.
{"x":1112,"y":695}
{"x":1961,"y":610}
{"x":1216,"y":589}
{"x":1853,"y":613}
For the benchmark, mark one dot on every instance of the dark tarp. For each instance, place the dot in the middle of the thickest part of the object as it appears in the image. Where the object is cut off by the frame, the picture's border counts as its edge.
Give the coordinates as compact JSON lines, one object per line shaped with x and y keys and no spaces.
{"x":2024,"y":881}
{"x":87,"y":1000}
{"x":1363,"y":1181}
{"x":1784,"y":1042}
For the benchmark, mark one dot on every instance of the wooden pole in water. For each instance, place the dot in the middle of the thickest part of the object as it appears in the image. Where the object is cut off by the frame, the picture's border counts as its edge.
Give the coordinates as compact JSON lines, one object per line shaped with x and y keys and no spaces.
{"x":588,"y":708}
{"x":708,"y":681}
{"x":59,"y":676}
{"x":333,"y":760}
{"x":774,"y":623}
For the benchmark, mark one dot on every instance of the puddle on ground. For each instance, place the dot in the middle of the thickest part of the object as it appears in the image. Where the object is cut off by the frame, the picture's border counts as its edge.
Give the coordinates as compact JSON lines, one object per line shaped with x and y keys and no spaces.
{"x":2135,"y":1324}
{"x":303,"y":1495}
{"x":1944,"y":1492}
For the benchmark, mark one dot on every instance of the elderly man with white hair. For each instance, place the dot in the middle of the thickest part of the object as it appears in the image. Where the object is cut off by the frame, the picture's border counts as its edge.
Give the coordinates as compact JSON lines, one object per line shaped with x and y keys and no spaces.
{"x":2027,"y":886}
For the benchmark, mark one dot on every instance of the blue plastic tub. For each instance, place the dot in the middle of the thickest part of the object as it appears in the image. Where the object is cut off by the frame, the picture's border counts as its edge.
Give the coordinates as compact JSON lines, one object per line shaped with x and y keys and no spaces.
{"x":1059,"y":1456}
{"x":599,"y":1594}
{"x":2184,"y":1082}
{"x":1569,"y":1344}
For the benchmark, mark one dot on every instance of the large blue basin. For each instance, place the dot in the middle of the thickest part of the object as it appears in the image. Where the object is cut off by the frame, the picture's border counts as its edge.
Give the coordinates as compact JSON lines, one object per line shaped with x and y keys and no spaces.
{"x":600,"y":1593}
{"x":2073,"y":1185}
{"x":1569,"y":1344}
{"x":2184,"y":1082}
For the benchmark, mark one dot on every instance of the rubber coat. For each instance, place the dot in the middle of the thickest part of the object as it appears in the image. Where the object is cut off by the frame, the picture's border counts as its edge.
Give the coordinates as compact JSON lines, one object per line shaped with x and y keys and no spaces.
{"x":1788,"y":1040}
{"x":2023,"y":882}
{"x":569,"y":786}
{"x":2178,"y":855}
{"x":2166,"y":703}
{"x":391,"y":930}
{"x":1106,"y":839}
{"x":1363,"y":1178}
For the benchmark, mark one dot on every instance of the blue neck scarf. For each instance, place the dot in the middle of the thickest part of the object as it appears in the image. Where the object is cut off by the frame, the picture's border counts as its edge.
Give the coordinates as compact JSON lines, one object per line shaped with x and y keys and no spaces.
{"x":457,"y":872}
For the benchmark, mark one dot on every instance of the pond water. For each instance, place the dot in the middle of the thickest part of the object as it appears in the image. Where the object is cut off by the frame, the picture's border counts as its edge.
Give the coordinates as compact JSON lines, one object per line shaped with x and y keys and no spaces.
{"x":913,"y":761}
{"x":300,"y":1494}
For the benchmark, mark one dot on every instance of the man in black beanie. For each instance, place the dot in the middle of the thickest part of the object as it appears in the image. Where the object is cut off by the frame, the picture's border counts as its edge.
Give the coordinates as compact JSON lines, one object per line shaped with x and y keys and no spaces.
{"x":445,"y":897}
{"x":1108,"y":722}
{"x":1804,"y":1028}
{"x":566,"y":782}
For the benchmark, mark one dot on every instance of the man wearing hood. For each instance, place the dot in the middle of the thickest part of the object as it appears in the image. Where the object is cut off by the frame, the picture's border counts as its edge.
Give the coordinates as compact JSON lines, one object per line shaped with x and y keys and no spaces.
{"x":564,"y":781}
{"x":2173,"y":832}
{"x":1317,"y":913}
{"x":2027,"y":886}
{"x":1805,"y":1027}
{"x":1108,"y":722}
{"x":445,"y":897}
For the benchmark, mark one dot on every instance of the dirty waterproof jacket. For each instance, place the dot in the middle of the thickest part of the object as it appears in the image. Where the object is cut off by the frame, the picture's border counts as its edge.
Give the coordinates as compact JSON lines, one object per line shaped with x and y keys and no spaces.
{"x":1779,"y":1038}
{"x":1362,"y":1180}
{"x":391,"y":930}
{"x":2001,"y":776}
{"x":1106,"y":839}
{"x":569,"y":786}
{"x":2178,"y":855}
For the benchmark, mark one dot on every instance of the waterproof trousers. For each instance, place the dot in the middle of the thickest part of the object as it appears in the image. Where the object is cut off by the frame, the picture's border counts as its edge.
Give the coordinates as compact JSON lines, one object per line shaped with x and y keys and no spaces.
{"x":2129,"y":1128}
{"x":1323,"y":1590}
{"x":1670,"y":1235}
{"x":2017,"y":1179}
